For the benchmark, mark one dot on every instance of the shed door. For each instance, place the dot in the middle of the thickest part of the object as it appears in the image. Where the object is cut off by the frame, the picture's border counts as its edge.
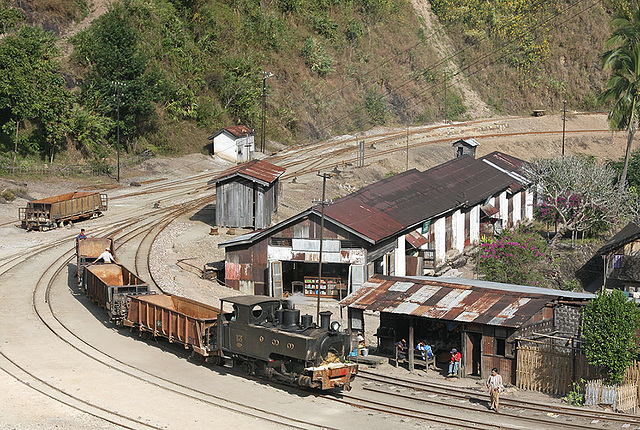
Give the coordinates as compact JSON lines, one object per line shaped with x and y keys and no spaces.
{"x":356,"y":276}
{"x":276,"y":278}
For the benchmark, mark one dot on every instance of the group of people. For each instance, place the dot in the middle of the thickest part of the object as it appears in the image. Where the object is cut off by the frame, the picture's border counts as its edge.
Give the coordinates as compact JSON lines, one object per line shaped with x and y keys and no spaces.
{"x":106,"y":256}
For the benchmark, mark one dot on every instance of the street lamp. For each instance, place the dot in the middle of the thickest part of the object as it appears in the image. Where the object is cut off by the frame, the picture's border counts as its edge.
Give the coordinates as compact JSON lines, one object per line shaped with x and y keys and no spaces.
{"x":265,"y":75}
{"x":118,"y":86}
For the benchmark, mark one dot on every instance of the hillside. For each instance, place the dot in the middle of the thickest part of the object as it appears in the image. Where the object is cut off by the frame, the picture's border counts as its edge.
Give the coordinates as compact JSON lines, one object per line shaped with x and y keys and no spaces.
{"x":190,"y":67}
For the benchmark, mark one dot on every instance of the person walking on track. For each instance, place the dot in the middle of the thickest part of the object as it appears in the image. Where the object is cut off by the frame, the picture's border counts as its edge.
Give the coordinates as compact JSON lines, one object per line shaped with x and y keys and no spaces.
{"x":494,"y":384}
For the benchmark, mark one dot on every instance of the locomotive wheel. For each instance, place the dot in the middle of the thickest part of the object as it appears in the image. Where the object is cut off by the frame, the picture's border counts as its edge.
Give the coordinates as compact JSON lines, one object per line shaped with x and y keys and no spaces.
{"x":248,"y":368}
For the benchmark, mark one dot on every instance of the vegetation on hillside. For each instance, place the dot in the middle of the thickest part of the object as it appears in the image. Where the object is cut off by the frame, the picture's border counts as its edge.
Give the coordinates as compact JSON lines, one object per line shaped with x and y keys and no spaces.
{"x":190,"y":67}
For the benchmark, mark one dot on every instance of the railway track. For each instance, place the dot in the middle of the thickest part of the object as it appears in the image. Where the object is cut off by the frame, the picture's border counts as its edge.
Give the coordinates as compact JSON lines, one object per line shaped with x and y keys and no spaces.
{"x":433,"y":393}
{"x":43,"y":300}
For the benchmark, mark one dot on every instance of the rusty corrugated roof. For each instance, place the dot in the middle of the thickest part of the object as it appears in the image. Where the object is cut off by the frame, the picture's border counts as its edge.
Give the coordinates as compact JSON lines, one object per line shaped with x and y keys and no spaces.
{"x":386,"y":207}
{"x":456,"y":299}
{"x":256,"y":170}
{"x":236,"y":131}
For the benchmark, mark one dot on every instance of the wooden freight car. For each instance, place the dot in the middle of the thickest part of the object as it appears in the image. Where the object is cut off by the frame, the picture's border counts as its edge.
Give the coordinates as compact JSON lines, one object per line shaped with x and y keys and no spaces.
{"x":112,"y":287}
{"x":54,"y":211}
{"x":87,"y":252}
{"x":178,"y":319}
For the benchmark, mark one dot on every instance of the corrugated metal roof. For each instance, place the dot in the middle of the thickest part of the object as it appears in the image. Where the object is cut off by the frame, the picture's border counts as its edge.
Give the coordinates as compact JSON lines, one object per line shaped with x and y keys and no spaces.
{"x":255,"y":170}
{"x":455,"y":299}
{"x":415,"y":239}
{"x":236,"y":131}
{"x":403,"y":201}
{"x":386,"y":207}
{"x":629,"y":233}
{"x":468,"y":141}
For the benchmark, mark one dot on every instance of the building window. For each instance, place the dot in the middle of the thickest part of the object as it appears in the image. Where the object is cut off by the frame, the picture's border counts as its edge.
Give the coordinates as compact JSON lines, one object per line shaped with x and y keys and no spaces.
{"x":501,"y":347}
{"x":301,"y":231}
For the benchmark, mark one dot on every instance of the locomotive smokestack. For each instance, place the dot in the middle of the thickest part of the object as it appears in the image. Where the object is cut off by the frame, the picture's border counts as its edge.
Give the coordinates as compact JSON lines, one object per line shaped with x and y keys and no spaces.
{"x":307,"y":321}
{"x":325,"y":319}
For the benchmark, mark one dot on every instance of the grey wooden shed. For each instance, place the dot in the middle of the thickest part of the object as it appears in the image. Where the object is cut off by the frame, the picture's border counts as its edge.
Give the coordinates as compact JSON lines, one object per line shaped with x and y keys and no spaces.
{"x":247,"y":195}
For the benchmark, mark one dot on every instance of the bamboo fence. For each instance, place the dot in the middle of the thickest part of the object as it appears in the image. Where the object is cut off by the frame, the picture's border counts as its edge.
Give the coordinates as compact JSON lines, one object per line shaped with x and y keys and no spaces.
{"x":549,"y":370}
{"x":621,"y":398}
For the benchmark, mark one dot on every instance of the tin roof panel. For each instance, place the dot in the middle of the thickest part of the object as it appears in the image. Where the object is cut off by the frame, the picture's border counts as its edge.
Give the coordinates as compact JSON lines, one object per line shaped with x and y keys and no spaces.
{"x":255,"y":170}
{"x":499,"y":305}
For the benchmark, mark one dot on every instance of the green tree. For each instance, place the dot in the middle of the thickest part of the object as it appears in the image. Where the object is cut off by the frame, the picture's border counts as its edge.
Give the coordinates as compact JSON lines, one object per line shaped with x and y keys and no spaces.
{"x":611,"y":323}
{"x":622,"y":58}
{"x":31,"y":88}
{"x":111,"y":51}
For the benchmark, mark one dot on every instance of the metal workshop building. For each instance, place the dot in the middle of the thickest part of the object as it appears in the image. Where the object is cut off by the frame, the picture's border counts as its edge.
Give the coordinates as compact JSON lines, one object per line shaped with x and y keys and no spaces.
{"x":401,"y":225}
{"x":482,"y":319}
{"x":247,"y":195}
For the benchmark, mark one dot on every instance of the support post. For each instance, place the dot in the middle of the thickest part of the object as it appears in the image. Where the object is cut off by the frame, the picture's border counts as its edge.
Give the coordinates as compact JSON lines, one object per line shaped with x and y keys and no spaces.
{"x":411,"y":347}
{"x":323,"y":203}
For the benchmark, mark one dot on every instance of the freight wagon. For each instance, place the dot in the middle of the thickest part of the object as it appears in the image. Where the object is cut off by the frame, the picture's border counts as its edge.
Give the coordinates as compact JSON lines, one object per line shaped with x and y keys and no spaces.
{"x":177,"y":319}
{"x":111,"y":286}
{"x":87,"y":252}
{"x":54,"y":211}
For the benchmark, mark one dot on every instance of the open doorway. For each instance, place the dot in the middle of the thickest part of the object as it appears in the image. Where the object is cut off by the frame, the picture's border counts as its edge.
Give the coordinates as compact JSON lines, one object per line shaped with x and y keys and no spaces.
{"x":474,"y":354}
{"x":300,"y":277}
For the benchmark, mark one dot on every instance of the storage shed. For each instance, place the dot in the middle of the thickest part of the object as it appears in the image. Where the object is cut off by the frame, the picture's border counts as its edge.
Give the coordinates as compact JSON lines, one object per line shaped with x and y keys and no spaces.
{"x":233,"y":143}
{"x":247,"y":195}
{"x":465,"y":147}
{"x":481,"y":319}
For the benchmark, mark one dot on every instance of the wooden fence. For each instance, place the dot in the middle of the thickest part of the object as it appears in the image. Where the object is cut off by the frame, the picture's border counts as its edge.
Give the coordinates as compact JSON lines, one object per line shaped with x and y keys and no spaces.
{"x":551,"y":369}
{"x":622,"y":398}
{"x":47,"y":169}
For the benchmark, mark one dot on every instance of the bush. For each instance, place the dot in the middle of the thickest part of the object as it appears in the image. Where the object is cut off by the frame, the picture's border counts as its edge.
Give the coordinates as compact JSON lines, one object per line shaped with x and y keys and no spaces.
{"x":611,"y":323}
{"x":8,"y":195}
{"x":316,"y":57}
{"x":515,"y":257}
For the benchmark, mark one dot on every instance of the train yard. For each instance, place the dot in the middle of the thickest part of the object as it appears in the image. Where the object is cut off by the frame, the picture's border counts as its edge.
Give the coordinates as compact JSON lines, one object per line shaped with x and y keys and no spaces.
{"x":65,"y":365}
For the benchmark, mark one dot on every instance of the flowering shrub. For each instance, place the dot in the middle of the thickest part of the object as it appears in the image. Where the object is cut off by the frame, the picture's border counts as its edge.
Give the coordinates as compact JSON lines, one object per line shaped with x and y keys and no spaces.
{"x":515,"y":257}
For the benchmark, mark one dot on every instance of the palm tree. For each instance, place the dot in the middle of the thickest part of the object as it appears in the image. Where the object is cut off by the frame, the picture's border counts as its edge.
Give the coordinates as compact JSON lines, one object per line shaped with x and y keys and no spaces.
{"x":622,"y":58}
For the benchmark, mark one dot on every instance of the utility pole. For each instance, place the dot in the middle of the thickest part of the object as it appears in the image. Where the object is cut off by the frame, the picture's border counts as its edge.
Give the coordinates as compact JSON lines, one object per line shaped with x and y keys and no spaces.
{"x":407,"y":147}
{"x":323,"y":203}
{"x":265,"y":75}
{"x":118,"y":86}
{"x":444,"y":74}
{"x":564,"y":122}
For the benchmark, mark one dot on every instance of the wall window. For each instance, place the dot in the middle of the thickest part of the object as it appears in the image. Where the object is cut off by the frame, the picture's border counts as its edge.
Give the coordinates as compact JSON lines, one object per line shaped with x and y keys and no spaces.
{"x":301,"y":231}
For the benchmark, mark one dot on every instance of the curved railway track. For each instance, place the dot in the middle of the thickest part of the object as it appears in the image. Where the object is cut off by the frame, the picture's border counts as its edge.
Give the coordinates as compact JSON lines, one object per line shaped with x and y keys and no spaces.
{"x":43,"y":307}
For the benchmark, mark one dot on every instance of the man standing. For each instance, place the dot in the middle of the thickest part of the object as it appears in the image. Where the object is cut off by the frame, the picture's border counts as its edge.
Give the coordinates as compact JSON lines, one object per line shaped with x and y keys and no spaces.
{"x":107,"y":256}
{"x":494,"y":384}
{"x":81,"y":235}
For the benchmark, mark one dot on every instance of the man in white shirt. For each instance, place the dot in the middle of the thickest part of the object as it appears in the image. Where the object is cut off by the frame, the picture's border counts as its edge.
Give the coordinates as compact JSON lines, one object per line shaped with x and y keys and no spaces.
{"x":107,"y":256}
{"x":494,"y":384}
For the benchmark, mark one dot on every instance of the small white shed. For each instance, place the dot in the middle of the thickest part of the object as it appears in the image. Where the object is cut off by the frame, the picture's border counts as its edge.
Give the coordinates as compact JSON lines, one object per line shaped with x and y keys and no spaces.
{"x":234,"y":143}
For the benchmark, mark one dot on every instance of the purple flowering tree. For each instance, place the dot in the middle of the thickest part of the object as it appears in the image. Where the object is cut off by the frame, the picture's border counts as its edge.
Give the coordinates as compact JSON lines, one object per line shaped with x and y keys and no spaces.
{"x":579,"y":194}
{"x":515,"y":257}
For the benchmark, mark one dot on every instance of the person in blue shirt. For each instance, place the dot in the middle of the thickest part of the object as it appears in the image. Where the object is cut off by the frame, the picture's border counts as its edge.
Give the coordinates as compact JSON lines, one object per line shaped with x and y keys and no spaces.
{"x":81,"y":235}
{"x":425,"y":350}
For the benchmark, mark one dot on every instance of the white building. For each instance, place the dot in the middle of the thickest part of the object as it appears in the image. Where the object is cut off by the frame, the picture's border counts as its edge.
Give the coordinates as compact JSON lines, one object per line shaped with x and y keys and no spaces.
{"x":234,"y":143}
